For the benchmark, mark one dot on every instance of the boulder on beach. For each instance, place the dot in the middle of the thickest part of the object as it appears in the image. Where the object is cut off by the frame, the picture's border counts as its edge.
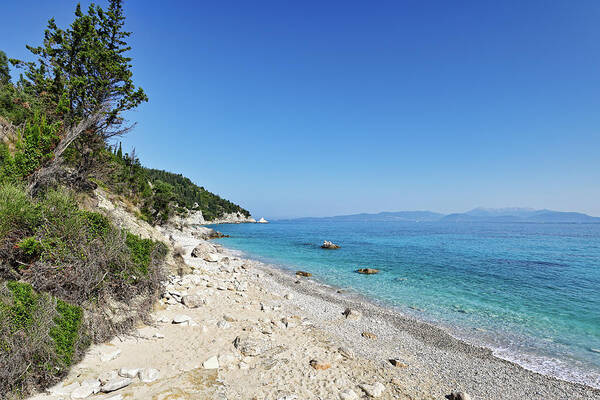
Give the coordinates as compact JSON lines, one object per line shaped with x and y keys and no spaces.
{"x":202,"y":250}
{"x":352,"y":314}
{"x":459,"y":396}
{"x":367,"y":271}
{"x":303,"y":273}
{"x":329,"y":245}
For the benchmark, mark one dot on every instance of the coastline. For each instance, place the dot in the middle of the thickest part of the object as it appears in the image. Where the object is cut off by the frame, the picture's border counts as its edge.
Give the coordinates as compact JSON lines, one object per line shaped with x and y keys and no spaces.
{"x":442,"y":357}
{"x":257,"y":334}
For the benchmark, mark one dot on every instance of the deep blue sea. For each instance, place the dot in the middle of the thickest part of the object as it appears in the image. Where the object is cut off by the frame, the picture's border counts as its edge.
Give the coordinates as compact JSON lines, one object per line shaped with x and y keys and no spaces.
{"x":530,"y":292}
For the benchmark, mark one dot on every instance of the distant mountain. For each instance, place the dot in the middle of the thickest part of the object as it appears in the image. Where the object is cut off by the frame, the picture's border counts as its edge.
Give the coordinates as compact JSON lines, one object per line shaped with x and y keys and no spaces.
{"x":511,"y":214}
{"x":519,"y":215}
{"x":414,"y":216}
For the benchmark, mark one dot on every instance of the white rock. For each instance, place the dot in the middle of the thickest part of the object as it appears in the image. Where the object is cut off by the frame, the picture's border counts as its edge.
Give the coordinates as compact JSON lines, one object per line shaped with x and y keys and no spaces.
{"x":110,"y":355}
{"x":61,"y":390}
{"x":107,"y":376}
{"x":158,"y":335}
{"x":181,"y":318}
{"x":223,"y":324}
{"x":288,"y":296}
{"x":226,"y":360}
{"x":148,"y":375}
{"x":129,"y":372}
{"x":192,"y":301}
{"x":348,"y":394}
{"x":374,"y":390}
{"x":211,"y":258}
{"x":211,"y":363}
{"x":115,"y":397}
{"x":163,"y":318}
{"x":82,"y":392}
{"x":115,"y":384}
{"x":346,"y":352}
{"x":93,"y":383}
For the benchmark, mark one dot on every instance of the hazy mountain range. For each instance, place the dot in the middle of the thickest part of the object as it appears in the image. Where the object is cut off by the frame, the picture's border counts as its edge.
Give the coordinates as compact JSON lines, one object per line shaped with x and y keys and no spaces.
{"x":513,"y":214}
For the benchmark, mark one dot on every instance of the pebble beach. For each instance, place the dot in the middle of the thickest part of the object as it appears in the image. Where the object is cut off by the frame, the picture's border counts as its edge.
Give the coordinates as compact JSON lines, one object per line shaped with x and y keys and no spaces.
{"x":234,"y":328}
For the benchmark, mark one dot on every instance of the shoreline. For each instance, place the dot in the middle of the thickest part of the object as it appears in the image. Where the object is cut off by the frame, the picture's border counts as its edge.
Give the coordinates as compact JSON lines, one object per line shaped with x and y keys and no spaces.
{"x":252,"y":332}
{"x":395,"y":321}
{"x":408,"y":317}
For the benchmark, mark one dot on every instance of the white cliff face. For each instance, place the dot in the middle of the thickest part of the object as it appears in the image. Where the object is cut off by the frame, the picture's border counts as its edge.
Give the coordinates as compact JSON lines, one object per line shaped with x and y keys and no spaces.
{"x":194,"y":218}
{"x":125,"y":218}
{"x":232,"y":218}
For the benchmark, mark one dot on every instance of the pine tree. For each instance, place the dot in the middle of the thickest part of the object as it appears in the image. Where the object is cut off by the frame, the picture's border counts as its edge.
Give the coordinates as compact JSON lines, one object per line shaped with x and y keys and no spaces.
{"x":86,"y":63}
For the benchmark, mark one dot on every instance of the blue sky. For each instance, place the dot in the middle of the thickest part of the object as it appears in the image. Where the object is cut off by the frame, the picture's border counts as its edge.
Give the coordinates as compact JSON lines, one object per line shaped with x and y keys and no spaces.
{"x":321,"y":108}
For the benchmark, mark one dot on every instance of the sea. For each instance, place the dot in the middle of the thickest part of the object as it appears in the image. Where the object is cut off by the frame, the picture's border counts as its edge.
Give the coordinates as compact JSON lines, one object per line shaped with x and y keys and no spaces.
{"x":528,"y":291}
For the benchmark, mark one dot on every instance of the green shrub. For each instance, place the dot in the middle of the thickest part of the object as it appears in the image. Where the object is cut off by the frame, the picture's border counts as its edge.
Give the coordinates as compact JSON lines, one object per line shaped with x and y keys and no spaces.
{"x":39,"y":337}
{"x":30,"y":247}
{"x":66,"y":331}
{"x":17,"y":212}
{"x":98,"y":225}
{"x":141,"y":252}
{"x":34,"y":147}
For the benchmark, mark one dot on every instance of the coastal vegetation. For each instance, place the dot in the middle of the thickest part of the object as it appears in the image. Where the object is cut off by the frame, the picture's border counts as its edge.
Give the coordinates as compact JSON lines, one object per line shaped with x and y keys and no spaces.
{"x":62,"y":265}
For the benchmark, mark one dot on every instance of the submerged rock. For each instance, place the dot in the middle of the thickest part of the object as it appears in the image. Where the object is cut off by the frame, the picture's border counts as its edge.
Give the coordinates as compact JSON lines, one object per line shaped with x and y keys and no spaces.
{"x":367,"y":271}
{"x":303,"y":273}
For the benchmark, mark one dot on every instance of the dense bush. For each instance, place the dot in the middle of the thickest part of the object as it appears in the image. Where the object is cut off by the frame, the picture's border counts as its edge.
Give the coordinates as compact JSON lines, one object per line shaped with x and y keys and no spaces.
{"x":40,"y":337}
{"x":66,"y":260}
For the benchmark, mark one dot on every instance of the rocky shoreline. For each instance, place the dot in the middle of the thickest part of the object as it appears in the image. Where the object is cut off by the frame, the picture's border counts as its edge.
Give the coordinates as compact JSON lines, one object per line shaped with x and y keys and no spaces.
{"x":232,"y":328}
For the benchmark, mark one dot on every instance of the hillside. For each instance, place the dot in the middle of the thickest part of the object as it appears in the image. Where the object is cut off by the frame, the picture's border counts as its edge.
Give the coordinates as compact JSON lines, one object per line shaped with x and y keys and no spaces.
{"x":71,"y":272}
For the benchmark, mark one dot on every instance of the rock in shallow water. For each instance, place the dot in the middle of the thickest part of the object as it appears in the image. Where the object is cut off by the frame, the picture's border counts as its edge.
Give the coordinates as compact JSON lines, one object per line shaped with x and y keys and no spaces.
{"x":367,"y":271}
{"x":303,"y":273}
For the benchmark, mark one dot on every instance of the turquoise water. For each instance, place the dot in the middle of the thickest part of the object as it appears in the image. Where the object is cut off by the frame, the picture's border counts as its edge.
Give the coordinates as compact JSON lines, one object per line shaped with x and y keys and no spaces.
{"x":530,"y":292}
